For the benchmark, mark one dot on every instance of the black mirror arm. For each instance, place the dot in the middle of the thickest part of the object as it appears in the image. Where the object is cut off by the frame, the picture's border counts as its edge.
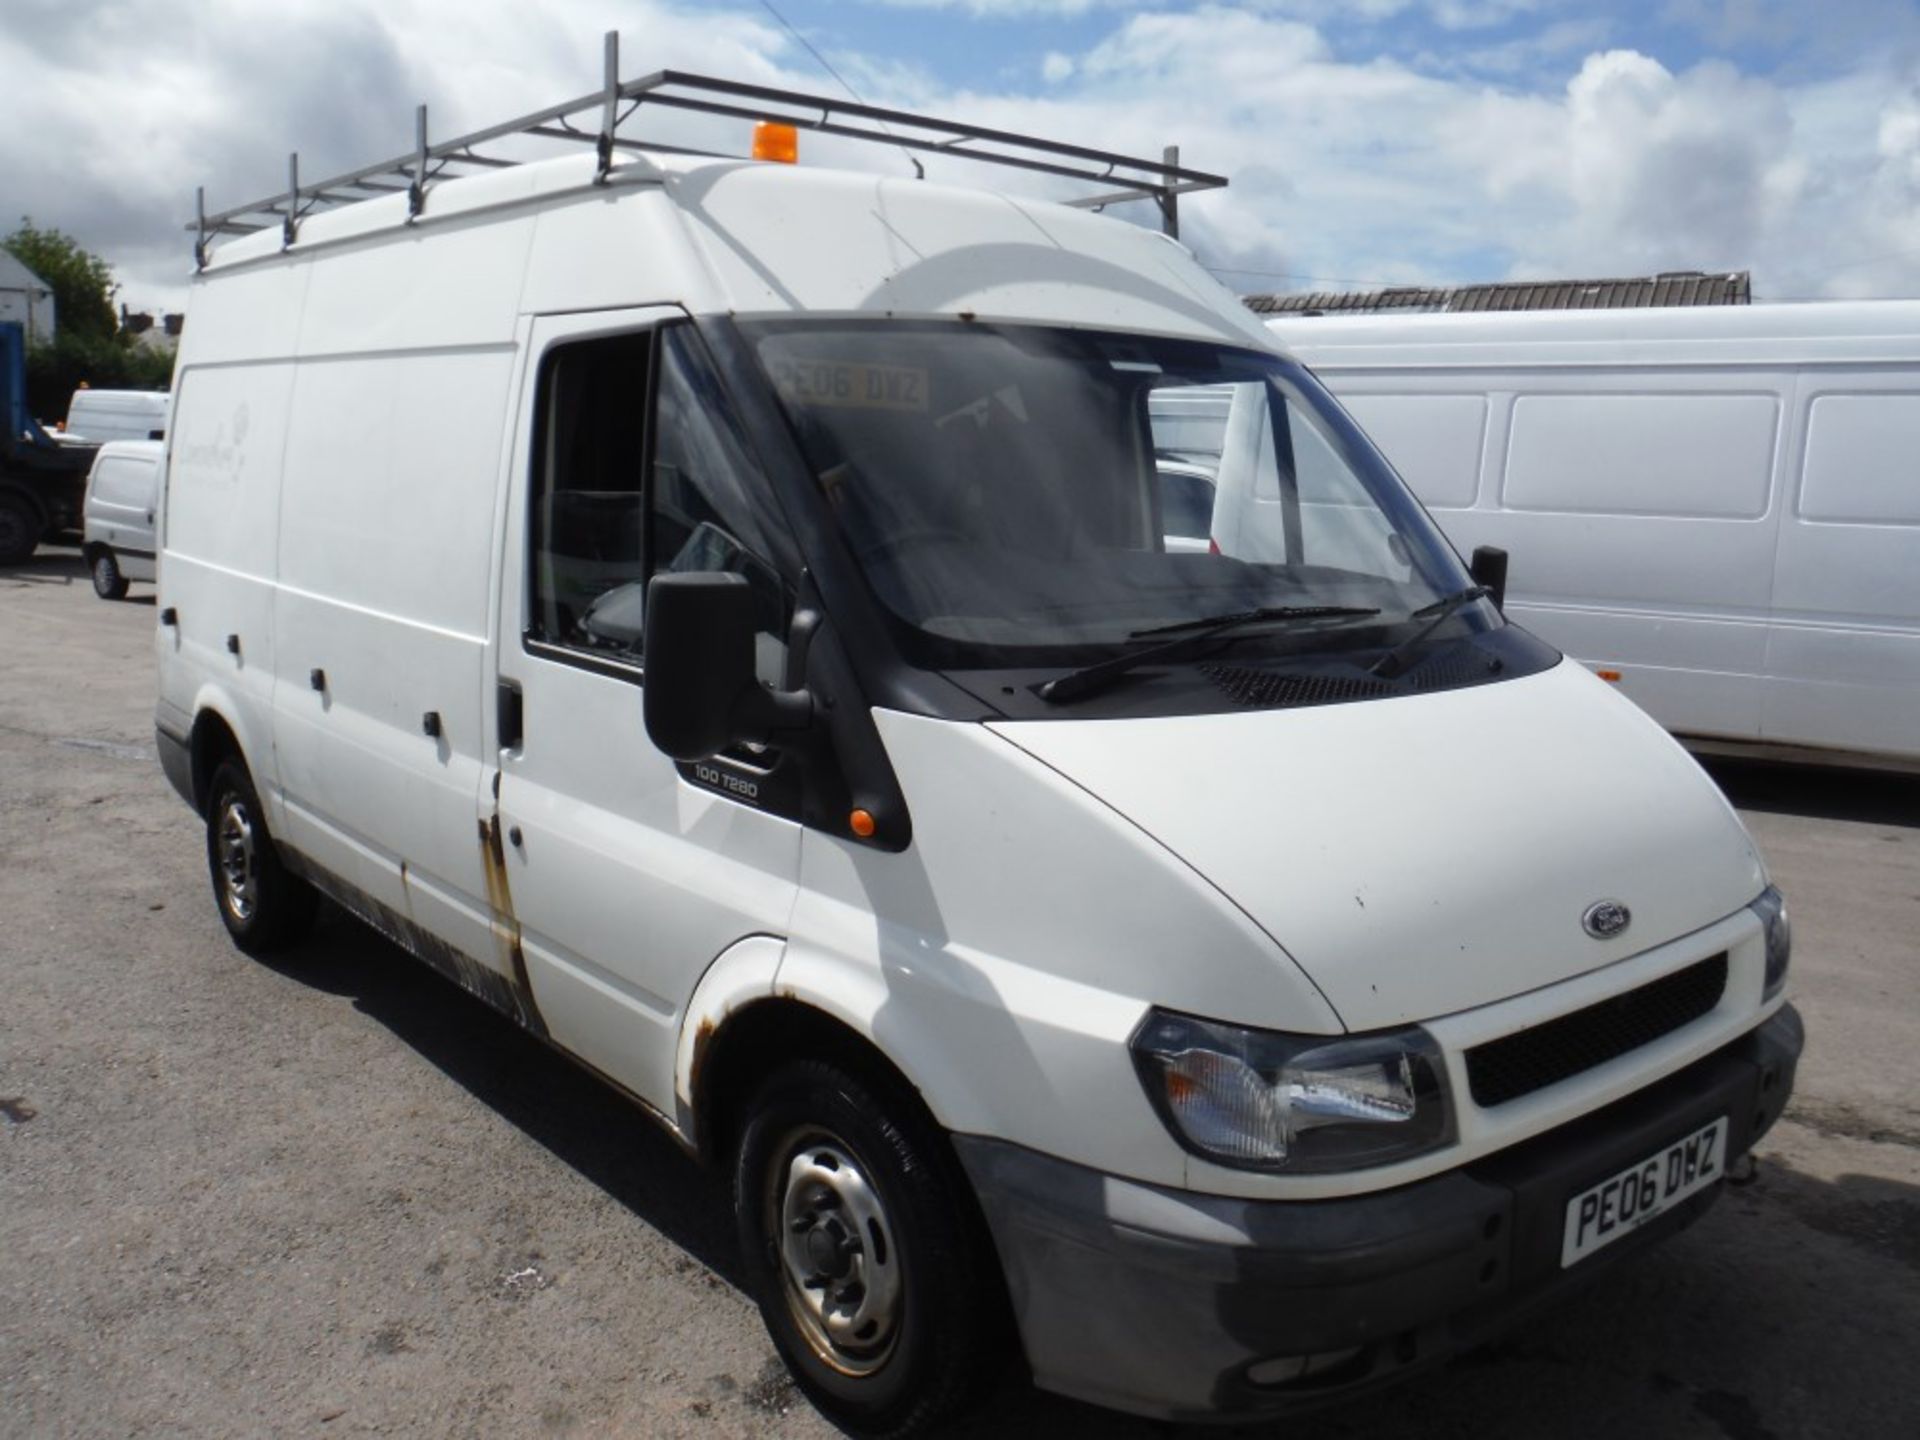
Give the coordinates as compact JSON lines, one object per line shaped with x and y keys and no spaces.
{"x":762,"y":716}
{"x":1489,"y":568}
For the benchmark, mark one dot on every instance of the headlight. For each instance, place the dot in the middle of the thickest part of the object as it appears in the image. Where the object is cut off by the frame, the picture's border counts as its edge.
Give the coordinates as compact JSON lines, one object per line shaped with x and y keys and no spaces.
{"x":1261,"y":1100}
{"x":1771,"y":907}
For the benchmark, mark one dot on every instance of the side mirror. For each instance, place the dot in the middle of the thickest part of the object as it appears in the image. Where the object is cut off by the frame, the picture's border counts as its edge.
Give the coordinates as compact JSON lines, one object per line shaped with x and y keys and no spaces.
{"x":700,"y":693}
{"x":1489,"y":568}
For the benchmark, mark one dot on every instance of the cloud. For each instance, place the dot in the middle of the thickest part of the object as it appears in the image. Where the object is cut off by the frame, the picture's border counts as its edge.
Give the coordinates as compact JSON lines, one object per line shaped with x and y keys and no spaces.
{"x":1005,"y":9}
{"x":144,"y":104}
{"x":1542,"y":156}
{"x":1666,"y":171}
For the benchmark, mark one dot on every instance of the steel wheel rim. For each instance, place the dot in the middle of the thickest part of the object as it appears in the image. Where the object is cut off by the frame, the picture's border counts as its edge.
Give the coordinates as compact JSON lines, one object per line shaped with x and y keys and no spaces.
{"x":839,"y":1263}
{"x":235,"y":857}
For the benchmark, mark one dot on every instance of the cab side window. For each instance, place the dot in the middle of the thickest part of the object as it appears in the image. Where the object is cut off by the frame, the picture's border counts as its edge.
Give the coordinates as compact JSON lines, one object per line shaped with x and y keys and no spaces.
{"x":588,"y":526}
{"x":709,"y":512}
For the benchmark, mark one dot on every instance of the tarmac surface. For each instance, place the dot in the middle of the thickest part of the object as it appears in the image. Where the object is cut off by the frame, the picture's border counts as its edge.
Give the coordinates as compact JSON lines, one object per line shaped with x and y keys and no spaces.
{"x":334,"y":1196}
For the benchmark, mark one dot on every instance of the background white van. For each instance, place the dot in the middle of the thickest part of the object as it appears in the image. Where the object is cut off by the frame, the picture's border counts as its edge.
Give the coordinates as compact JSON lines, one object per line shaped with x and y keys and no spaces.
{"x":1719,"y":506}
{"x":123,"y":493}
{"x":100,"y":415}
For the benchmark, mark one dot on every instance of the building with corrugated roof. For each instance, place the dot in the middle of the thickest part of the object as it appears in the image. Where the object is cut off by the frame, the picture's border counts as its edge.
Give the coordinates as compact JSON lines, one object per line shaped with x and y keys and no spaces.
{"x":1670,"y":287}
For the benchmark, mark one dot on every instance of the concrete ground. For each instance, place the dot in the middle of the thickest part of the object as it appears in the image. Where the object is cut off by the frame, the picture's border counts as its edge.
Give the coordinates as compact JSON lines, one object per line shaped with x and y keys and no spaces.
{"x":333,"y":1196}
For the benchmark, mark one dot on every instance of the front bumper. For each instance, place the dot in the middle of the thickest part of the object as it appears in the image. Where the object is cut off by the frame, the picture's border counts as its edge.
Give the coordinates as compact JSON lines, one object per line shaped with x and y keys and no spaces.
{"x":1161,"y":1302}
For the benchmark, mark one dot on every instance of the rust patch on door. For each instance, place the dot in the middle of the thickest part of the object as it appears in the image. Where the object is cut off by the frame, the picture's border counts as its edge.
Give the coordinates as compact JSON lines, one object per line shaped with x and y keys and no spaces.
{"x":506,"y":926}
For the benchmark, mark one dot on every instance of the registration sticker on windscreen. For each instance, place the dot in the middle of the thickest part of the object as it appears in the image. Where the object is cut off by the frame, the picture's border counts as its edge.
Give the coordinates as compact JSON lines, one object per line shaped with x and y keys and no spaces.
{"x":1622,"y":1203}
{"x":850,"y":384}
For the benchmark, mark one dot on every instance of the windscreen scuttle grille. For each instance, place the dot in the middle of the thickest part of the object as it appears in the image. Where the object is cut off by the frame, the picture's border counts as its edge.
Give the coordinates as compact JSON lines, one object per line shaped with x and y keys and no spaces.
{"x":1277,"y":690}
{"x":1519,"y":1064}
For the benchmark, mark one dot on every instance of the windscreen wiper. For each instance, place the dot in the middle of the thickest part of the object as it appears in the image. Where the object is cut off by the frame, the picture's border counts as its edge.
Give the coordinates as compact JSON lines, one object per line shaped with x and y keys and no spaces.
{"x":1394,"y":663}
{"x":1188,"y":635}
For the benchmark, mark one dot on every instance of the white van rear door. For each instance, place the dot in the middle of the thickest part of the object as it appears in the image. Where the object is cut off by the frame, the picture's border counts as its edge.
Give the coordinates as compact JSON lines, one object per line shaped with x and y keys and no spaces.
{"x":619,"y":881}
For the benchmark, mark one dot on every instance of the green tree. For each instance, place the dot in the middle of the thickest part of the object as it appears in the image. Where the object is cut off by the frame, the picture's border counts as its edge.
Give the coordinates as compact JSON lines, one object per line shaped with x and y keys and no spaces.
{"x":82,"y":283}
{"x":88,"y":346}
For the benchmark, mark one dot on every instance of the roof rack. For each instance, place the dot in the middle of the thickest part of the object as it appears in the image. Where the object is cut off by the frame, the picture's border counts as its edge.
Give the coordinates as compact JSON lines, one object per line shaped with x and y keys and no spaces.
{"x":1162,"y":181}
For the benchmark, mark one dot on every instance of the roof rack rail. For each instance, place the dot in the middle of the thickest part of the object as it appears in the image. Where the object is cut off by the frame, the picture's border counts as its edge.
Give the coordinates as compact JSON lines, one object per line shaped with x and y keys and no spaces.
{"x":1162,"y":181}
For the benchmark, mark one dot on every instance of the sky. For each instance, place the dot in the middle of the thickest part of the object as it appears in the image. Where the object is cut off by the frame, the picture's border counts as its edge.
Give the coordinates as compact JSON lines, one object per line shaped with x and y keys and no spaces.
{"x":1368,"y":142}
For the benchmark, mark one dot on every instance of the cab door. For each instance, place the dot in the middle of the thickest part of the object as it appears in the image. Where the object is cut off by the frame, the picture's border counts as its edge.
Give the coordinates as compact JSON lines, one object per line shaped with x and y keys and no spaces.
{"x":623,"y":876}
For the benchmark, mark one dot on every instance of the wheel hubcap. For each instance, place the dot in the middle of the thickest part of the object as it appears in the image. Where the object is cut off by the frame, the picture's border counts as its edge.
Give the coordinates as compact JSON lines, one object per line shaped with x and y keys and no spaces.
{"x":837,"y":1256}
{"x":236,"y":860}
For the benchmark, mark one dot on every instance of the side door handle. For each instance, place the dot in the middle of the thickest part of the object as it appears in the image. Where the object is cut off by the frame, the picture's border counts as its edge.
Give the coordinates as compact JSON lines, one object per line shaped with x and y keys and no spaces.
{"x":510,"y":715}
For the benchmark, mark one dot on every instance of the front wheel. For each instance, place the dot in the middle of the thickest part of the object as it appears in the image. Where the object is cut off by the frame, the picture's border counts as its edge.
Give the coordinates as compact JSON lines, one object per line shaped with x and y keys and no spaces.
{"x":108,"y":582}
{"x":868,"y":1262}
{"x":264,"y":906}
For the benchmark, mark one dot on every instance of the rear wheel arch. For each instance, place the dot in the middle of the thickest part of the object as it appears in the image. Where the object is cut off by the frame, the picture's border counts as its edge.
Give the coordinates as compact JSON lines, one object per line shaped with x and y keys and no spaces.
{"x":213,"y":741}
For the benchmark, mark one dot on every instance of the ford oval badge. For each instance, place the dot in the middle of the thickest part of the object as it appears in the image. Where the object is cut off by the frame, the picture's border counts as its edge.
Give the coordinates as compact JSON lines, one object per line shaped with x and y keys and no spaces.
{"x":1605,"y":919}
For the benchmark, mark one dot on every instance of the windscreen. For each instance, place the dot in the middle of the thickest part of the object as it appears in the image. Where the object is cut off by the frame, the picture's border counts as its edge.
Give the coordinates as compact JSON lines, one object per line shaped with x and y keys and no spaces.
{"x":1020,"y":494}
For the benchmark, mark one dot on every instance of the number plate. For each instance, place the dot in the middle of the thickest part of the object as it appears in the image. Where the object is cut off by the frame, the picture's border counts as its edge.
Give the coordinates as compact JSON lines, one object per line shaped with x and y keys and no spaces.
{"x":1623,"y":1203}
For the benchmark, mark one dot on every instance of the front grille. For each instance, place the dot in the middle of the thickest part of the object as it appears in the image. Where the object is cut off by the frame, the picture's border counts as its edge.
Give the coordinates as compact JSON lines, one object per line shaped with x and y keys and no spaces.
{"x":1519,"y":1064}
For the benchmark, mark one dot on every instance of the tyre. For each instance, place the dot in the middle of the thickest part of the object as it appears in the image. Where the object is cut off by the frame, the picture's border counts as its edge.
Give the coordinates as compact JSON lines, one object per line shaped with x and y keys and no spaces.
{"x":19,"y":530}
{"x":264,"y":906}
{"x":861,"y":1244}
{"x":108,"y":582}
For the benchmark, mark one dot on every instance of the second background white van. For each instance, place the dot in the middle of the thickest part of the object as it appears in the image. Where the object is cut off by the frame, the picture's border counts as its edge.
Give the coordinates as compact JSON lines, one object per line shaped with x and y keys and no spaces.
{"x":1719,"y":505}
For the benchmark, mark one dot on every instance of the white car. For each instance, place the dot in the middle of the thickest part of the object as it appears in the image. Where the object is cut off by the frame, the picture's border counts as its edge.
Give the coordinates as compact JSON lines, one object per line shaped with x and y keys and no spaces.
{"x":717,"y":613}
{"x":123,"y":494}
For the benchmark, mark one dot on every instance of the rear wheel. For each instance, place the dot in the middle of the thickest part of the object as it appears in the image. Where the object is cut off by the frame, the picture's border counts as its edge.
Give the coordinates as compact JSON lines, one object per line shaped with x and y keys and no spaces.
{"x":869,"y":1266}
{"x":19,"y":530}
{"x":108,"y":582}
{"x":264,"y":906}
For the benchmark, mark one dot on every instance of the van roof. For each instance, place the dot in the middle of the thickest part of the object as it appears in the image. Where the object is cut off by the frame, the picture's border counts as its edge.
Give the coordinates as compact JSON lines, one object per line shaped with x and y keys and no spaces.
{"x":751,"y":237}
{"x":709,"y":234}
{"x":142,"y":400}
{"x":1733,"y":334}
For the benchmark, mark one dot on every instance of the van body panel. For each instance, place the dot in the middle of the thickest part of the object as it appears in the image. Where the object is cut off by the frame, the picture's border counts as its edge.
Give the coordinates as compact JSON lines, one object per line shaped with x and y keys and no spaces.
{"x":104,"y":415}
{"x":625,"y":882}
{"x":222,"y":518}
{"x":1006,"y":956}
{"x":1717,"y":503}
{"x":1386,"y":897}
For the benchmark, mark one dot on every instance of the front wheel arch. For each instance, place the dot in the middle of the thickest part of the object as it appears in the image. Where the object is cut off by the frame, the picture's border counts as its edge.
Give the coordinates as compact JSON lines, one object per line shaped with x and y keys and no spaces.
{"x":757,"y":1039}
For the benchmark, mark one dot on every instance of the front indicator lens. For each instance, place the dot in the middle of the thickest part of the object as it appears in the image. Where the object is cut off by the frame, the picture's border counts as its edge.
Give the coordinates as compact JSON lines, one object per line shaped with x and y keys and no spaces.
{"x":1771,"y":907}
{"x":1259,"y":1099}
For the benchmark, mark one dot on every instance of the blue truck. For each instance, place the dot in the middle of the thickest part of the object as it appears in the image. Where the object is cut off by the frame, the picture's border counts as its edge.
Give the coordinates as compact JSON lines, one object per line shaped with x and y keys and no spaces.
{"x":43,"y":481}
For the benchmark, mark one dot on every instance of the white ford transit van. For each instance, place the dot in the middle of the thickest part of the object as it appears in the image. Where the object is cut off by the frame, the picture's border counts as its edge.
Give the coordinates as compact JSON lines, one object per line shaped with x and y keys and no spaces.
{"x":720,"y":614}
{"x":123,"y":494}
{"x":1719,"y":507}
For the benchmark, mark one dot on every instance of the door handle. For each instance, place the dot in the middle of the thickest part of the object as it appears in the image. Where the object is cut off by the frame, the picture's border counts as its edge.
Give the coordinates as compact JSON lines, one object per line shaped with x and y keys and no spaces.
{"x":511,"y":715}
